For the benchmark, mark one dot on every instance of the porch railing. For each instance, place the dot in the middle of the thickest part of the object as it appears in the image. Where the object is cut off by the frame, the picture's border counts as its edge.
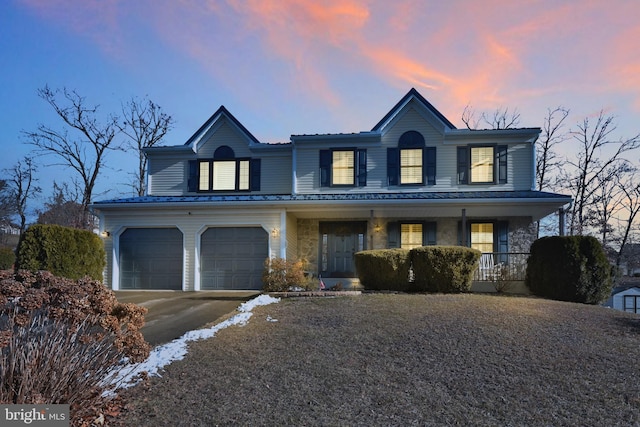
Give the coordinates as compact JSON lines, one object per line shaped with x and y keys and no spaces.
{"x":496,"y":266}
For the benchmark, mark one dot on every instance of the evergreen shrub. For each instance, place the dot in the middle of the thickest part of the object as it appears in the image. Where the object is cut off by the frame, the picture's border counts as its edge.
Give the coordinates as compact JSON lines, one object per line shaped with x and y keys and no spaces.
{"x":7,"y":258}
{"x":65,"y":252}
{"x":384,"y":269}
{"x":445,"y":269}
{"x":569,"y":268}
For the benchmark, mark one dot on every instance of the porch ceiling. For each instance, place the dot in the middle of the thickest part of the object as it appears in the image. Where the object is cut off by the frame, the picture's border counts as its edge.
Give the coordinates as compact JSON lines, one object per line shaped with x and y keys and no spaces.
{"x":428,"y":209}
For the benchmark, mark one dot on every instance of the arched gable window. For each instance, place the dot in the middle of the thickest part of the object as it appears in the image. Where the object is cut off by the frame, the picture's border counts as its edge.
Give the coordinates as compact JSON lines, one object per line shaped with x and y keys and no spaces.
{"x":224,"y":152}
{"x":411,"y":163}
{"x":411,"y":139}
{"x":225,"y":172}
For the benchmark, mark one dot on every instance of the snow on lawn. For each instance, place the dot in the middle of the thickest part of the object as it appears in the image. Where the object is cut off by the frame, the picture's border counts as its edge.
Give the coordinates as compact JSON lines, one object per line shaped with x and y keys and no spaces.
{"x":165,"y":354}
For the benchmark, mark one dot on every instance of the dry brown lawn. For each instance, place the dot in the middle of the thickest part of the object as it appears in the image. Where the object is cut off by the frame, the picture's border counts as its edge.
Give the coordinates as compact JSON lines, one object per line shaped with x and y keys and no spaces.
{"x":405,"y":360}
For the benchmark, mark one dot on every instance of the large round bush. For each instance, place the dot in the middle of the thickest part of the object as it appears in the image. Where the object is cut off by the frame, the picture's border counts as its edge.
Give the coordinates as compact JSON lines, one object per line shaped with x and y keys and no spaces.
{"x":569,"y":268}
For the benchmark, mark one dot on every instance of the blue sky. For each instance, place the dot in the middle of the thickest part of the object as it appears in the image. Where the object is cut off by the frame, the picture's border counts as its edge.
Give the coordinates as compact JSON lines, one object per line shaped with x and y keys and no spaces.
{"x":287,"y":67}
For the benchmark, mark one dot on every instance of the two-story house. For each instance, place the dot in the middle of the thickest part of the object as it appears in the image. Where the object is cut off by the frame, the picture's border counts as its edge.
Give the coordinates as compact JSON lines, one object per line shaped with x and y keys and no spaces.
{"x":223,"y":202}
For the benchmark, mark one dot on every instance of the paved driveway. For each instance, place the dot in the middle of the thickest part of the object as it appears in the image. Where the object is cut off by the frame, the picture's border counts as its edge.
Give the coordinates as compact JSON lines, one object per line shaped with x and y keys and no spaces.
{"x":172,"y":313}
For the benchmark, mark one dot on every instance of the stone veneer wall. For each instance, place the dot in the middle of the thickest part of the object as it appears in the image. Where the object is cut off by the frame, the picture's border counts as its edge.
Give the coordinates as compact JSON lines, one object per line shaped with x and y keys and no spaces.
{"x":308,"y":235}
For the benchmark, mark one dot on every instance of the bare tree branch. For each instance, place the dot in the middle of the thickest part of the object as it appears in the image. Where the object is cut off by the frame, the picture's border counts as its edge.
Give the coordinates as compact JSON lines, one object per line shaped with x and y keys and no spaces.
{"x":145,"y":124}
{"x":83,"y":151}
{"x":547,"y":160}
{"x":22,"y":185}
{"x":589,"y":169}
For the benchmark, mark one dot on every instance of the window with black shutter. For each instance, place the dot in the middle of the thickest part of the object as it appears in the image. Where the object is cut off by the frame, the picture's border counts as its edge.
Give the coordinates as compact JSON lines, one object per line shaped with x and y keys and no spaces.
{"x":224,"y":172}
{"x":411,"y":163}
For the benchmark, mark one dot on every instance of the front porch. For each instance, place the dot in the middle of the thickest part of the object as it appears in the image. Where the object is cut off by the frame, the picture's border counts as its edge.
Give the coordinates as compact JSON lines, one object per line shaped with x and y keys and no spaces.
{"x":497,"y":272}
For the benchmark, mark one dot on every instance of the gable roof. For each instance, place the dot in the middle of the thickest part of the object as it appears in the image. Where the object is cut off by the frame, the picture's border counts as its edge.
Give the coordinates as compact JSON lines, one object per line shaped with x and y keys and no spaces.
{"x":413,"y":94}
{"x":222,"y":112}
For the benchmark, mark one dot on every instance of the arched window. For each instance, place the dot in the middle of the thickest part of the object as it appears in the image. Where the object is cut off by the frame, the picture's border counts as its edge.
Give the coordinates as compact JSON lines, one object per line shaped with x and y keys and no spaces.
{"x":411,"y":163}
{"x":224,"y":152}
{"x":411,"y":139}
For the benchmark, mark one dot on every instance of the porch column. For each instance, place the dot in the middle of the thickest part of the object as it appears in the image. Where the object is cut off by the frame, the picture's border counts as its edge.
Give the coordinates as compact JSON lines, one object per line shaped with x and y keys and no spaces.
{"x":464,"y":227}
{"x":561,"y":216}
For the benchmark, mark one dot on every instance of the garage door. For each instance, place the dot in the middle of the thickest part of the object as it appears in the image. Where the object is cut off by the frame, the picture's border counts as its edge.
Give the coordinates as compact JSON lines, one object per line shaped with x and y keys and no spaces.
{"x":233,"y":257}
{"x":151,"y":258}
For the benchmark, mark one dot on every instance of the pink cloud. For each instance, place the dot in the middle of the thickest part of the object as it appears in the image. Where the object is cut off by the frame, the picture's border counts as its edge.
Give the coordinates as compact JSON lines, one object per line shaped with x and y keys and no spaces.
{"x":491,"y":53}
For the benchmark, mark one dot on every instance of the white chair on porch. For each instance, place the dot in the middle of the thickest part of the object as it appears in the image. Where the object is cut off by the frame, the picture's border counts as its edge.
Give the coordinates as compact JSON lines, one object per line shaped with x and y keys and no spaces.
{"x":487,"y":267}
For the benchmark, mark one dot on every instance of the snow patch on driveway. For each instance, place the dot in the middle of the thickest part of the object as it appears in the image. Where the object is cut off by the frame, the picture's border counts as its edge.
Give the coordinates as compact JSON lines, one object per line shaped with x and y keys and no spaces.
{"x":165,"y":354}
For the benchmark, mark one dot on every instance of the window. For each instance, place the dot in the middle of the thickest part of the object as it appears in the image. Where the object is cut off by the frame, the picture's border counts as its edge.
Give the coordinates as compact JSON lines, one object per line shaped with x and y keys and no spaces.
{"x":482,"y":164}
{"x":224,"y":173}
{"x":411,"y":163}
{"x":482,"y":237}
{"x":410,"y":236}
{"x":486,"y":236}
{"x":343,"y":167}
{"x":632,"y":303}
{"x":411,"y":166}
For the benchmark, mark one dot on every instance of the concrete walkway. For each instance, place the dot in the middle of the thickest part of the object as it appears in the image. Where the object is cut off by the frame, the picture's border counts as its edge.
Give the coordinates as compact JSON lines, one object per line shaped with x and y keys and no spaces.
{"x":172,"y":313}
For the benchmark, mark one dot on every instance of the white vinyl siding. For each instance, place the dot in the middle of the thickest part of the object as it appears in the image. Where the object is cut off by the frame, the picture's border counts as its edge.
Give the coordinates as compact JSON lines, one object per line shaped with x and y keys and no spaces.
{"x":167,"y":176}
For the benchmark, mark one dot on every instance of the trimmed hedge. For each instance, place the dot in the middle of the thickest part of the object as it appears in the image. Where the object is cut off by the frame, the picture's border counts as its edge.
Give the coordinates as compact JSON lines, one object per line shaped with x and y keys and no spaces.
{"x":569,"y":268}
{"x":444,"y":268}
{"x":65,"y":252}
{"x":383,"y":269}
{"x":435,"y":269}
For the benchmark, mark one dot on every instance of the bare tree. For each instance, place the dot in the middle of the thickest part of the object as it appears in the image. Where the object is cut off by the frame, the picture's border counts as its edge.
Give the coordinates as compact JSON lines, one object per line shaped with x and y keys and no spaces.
{"x":22,"y":187}
{"x":145,"y":124}
{"x":589,"y":169}
{"x":547,"y":160}
{"x":606,"y":201}
{"x":629,"y":186}
{"x":85,"y":149}
{"x":501,"y":118}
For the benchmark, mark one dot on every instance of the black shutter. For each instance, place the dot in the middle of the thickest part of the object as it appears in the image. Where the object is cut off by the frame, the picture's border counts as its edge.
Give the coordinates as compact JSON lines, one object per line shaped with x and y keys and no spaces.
{"x":502,"y":241}
{"x":430,"y":165}
{"x":429,"y":234}
{"x":325,"y":168}
{"x":393,"y":163}
{"x":468,"y":242}
{"x":254,"y":180}
{"x":362,"y":168}
{"x":501,"y":160}
{"x":463,"y":165}
{"x":192,"y":181}
{"x":393,"y":234}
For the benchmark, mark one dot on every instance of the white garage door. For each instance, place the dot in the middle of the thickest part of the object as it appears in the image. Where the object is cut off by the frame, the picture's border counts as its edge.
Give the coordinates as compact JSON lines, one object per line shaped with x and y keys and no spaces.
{"x":151,"y":258}
{"x":233,"y":257}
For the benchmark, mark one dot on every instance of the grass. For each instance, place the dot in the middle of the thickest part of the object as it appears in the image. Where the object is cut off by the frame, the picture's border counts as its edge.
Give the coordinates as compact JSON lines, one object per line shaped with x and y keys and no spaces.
{"x":395,"y":359}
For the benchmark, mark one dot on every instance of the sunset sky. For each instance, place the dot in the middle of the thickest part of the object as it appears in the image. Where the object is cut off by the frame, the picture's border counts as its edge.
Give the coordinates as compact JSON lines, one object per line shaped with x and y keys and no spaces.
{"x":287,"y":67}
